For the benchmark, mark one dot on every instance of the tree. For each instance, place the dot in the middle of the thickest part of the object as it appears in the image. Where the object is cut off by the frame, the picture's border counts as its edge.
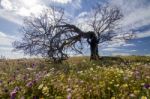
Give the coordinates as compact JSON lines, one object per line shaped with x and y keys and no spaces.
{"x":51,"y":34}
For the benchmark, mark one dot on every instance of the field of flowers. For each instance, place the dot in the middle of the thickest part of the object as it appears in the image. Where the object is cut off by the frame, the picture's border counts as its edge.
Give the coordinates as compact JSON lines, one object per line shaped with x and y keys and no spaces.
{"x":77,"y":78}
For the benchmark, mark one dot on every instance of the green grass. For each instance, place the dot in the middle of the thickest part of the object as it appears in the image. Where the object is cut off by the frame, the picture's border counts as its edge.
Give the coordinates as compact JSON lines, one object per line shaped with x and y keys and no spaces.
{"x":77,"y":78}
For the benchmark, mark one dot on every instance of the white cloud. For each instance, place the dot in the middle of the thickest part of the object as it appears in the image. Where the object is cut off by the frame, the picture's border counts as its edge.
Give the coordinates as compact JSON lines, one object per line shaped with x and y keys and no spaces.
{"x":110,"y":49}
{"x":15,"y":10}
{"x":63,"y":1}
{"x":120,"y":54}
{"x":133,"y":50}
{"x":82,"y":20}
{"x":6,"y":4}
{"x":137,"y":19}
{"x":136,"y":13}
{"x":76,"y":4}
{"x":11,"y":16}
{"x":128,"y":44}
{"x":6,"y":40}
{"x":113,"y":44}
{"x":143,"y":34}
{"x":6,"y":47}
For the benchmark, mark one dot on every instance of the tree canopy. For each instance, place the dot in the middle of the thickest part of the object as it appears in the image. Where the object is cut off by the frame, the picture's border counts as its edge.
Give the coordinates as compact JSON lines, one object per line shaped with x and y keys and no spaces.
{"x":51,"y":34}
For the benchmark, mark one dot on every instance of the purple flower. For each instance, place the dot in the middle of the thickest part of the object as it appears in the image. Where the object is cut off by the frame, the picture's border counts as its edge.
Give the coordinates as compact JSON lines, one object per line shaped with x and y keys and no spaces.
{"x":34,"y":81}
{"x":69,"y":96}
{"x":33,"y":65}
{"x":13,"y":95}
{"x":25,"y":77}
{"x":35,"y":97}
{"x":17,"y":69}
{"x":147,"y":86}
{"x":17,"y":89}
{"x":29,"y":84}
{"x":1,"y":81}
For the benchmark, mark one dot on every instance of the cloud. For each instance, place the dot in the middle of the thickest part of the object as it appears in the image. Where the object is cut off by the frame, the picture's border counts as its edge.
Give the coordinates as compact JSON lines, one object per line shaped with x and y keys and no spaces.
{"x":137,"y":19}
{"x":6,"y":4}
{"x":120,"y":54}
{"x":11,"y":16}
{"x":136,"y":13}
{"x":16,"y":10}
{"x":6,"y":40}
{"x":143,"y":34}
{"x":63,"y":1}
{"x":111,"y":49}
{"x":6,"y":47}
{"x":133,"y":50}
{"x":128,"y":44}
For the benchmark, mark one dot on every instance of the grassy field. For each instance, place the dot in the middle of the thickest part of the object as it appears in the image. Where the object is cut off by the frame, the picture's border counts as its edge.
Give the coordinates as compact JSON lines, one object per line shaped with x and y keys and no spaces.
{"x":77,"y":78}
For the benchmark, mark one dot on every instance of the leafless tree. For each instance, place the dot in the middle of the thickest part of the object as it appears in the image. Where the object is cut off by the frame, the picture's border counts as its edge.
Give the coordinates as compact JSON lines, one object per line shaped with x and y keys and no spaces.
{"x":51,"y":34}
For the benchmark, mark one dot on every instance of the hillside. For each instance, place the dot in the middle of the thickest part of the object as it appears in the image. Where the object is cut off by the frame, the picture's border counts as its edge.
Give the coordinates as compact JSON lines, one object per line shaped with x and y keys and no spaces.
{"x":77,"y":78}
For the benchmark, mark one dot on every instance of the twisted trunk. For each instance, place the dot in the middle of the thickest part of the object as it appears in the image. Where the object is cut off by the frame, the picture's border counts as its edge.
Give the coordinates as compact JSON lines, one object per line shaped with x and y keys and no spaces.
{"x":94,"y":47}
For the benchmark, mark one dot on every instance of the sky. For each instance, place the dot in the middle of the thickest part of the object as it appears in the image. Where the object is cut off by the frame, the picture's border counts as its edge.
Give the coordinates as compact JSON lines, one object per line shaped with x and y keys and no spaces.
{"x":136,"y":19}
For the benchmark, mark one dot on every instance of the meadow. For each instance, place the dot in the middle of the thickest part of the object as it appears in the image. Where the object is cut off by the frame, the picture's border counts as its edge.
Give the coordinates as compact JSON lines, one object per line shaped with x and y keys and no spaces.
{"x":77,"y":78}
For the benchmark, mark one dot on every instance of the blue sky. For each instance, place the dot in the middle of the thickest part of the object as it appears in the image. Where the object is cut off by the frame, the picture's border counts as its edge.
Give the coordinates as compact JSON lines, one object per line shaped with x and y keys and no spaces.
{"x":136,"y":19}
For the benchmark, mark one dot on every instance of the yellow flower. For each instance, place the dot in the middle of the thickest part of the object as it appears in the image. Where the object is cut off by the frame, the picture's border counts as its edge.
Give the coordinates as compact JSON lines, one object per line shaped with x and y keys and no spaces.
{"x":125,"y":85}
{"x":143,"y":97}
{"x":40,"y":86}
{"x":91,"y":69}
{"x":113,"y":98}
{"x":117,"y":85}
{"x":136,"y":91}
{"x":45,"y":91}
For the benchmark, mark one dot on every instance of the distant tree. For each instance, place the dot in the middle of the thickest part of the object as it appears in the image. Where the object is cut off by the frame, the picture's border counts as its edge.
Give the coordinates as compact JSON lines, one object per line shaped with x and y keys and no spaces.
{"x":50,"y":34}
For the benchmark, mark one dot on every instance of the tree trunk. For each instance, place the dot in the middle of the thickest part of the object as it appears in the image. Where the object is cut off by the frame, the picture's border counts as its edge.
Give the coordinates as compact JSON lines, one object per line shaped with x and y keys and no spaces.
{"x":94,"y":48}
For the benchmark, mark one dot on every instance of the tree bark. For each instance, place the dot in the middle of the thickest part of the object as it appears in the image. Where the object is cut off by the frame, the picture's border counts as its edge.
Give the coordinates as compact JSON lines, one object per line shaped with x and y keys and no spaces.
{"x":94,"y":48}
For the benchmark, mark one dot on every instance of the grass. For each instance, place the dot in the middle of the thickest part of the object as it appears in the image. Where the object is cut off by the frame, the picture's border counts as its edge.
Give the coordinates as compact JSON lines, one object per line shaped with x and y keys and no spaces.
{"x":77,"y":78}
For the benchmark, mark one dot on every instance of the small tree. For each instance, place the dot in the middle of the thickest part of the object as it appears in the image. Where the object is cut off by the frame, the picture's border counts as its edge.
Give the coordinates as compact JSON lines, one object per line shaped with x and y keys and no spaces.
{"x":51,"y":34}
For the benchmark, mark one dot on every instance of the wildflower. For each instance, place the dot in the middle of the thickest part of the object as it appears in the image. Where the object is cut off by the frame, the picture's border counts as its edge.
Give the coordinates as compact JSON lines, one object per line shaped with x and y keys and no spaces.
{"x":34,"y":81}
{"x":22,"y":97}
{"x":69,"y":96}
{"x":69,"y":90}
{"x":81,"y":81}
{"x":48,"y":75}
{"x":91,"y":69}
{"x":13,"y":95}
{"x":132,"y":95}
{"x":125,"y":85}
{"x":136,"y":91}
{"x":25,"y":77}
{"x":35,"y":97}
{"x":147,"y":86}
{"x":113,"y":98}
{"x":16,"y":89}
{"x":40,"y":86}
{"x":143,"y":97}
{"x":33,"y":65}
{"x":142,"y":84}
{"x":110,"y":82}
{"x":30,"y":69}
{"x":1,"y":81}
{"x":45,"y":90}
{"x":121,"y":71}
{"x":29,"y":84}
{"x":117,"y":85}
{"x":109,"y":88}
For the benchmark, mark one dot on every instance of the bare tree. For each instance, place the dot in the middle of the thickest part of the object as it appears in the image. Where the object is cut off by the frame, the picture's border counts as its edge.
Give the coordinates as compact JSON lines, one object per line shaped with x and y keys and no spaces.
{"x":50,"y":34}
